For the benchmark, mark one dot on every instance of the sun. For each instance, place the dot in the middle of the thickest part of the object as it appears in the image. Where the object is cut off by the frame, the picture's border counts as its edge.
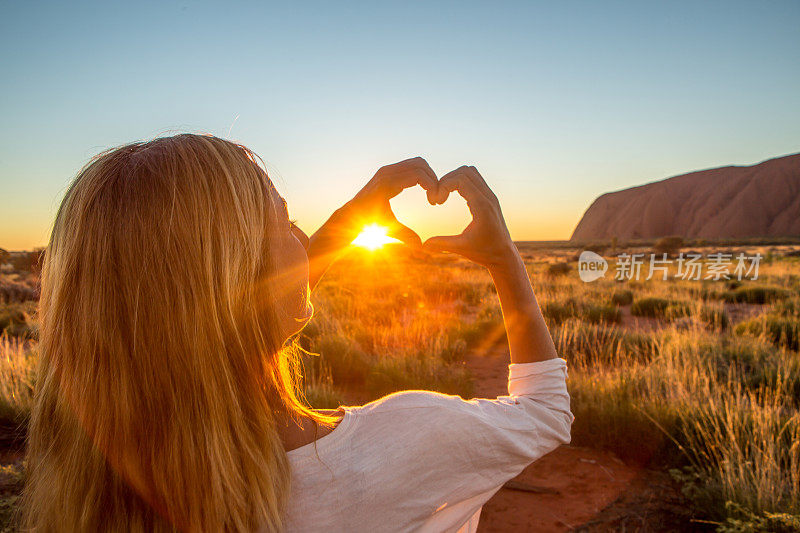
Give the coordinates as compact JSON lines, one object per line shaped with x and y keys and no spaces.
{"x":373,"y":237}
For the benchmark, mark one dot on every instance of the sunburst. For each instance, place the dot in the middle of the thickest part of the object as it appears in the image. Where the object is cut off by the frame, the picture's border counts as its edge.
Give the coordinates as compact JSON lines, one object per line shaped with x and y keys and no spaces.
{"x":373,"y":237}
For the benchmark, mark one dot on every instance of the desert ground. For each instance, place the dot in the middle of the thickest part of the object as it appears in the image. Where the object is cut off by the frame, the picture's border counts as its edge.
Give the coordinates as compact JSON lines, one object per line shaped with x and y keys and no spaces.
{"x":685,"y":391}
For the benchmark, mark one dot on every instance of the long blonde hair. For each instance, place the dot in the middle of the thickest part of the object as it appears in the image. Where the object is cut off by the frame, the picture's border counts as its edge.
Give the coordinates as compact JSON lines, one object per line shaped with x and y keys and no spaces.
{"x":162,"y":373}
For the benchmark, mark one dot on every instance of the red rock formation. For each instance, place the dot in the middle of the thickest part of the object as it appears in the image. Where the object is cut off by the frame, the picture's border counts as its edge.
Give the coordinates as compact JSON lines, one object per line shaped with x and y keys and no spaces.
{"x":762,"y":200}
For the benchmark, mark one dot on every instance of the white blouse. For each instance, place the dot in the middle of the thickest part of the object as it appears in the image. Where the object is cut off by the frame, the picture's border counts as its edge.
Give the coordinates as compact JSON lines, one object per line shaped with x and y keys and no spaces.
{"x":425,"y":461}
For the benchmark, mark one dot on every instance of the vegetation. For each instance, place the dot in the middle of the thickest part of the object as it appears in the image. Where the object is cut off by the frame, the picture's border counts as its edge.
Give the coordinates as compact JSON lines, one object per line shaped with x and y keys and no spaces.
{"x":668,"y":245}
{"x":699,"y":377}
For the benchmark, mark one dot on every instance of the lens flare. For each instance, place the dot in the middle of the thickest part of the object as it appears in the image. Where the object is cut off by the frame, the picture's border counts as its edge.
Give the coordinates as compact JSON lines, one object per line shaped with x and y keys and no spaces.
{"x":373,"y":237}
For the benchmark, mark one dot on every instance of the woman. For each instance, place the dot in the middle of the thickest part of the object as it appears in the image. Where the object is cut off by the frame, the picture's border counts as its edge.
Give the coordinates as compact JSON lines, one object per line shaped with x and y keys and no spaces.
{"x":167,"y":398}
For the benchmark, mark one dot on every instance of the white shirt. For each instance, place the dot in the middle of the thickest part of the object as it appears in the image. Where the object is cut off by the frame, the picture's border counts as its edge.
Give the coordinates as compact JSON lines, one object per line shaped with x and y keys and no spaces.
{"x":425,"y":461}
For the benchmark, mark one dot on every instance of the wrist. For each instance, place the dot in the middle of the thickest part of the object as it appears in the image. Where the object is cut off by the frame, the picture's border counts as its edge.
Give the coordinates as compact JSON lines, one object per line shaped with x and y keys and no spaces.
{"x":334,"y":234}
{"x":507,"y":262}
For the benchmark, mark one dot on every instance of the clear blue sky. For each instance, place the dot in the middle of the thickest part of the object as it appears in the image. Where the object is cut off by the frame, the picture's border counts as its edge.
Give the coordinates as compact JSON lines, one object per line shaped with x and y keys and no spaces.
{"x":554,"y":102}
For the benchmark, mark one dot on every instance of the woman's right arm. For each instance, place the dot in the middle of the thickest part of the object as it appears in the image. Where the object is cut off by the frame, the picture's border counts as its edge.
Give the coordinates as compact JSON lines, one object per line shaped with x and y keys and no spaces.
{"x":486,"y":241}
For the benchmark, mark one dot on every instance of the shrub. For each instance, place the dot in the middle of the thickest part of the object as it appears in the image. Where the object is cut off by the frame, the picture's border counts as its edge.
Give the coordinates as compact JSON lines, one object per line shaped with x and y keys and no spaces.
{"x":486,"y":330}
{"x":13,"y":480}
{"x":557,"y":313}
{"x":787,"y":308}
{"x":740,"y":519}
{"x":453,"y":351}
{"x":714,"y":317}
{"x":17,"y":380}
{"x":347,"y":362}
{"x":319,"y":390}
{"x":602,"y":313}
{"x":668,"y":245}
{"x":16,"y":292}
{"x":558,"y":269}
{"x":758,"y":295}
{"x":650,"y":307}
{"x":607,"y":416}
{"x":780,"y":331}
{"x":323,"y":396}
{"x":624,"y":297}
{"x":392,"y":374}
{"x":678,"y":310}
{"x":591,"y":346}
{"x":17,"y":320}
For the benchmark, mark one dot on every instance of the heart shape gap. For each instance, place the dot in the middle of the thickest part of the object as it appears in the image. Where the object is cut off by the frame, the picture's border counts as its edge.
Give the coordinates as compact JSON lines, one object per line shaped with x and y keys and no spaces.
{"x":411,"y":208}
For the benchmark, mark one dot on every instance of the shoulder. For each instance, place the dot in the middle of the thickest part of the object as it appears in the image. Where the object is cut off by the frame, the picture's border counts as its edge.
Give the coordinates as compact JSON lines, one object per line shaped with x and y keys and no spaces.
{"x":429,"y":411}
{"x":410,"y":401}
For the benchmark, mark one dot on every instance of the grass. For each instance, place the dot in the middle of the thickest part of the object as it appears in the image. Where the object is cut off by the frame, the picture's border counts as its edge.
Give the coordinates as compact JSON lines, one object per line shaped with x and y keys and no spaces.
{"x":622,"y":297}
{"x":17,"y":380}
{"x":756,"y":295}
{"x":709,"y":386}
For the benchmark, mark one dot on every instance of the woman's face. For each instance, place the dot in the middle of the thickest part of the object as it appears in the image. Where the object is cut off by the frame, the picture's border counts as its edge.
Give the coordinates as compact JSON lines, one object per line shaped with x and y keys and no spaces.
{"x":292,"y":277}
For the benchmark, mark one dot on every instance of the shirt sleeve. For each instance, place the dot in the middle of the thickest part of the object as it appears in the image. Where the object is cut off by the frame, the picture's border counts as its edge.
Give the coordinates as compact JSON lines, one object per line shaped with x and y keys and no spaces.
{"x":498,"y":438}
{"x":494,"y":440}
{"x":450,"y":455}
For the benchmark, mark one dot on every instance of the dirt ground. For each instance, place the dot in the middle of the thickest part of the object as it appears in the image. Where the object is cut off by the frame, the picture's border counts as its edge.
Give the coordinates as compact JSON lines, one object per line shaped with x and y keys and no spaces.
{"x":575,"y":488}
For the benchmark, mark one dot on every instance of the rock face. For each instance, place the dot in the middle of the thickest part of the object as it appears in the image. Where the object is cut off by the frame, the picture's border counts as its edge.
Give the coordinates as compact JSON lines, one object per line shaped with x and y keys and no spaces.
{"x":762,"y":200}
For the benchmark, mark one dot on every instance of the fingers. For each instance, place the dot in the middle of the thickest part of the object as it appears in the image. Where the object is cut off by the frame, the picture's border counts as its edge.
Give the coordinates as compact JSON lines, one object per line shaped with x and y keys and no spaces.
{"x":404,"y":233}
{"x":468,"y":182}
{"x":481,"y":183}
{"x":449,"y":243}
{"x":393,"y":179}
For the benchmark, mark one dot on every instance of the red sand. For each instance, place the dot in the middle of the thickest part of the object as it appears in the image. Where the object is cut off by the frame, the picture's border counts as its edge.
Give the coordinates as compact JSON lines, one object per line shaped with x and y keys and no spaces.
{"x":586,"y":480}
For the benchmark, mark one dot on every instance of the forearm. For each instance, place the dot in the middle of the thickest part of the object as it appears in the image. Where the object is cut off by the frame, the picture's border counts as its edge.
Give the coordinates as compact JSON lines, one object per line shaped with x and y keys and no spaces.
{"x":528,"y":337}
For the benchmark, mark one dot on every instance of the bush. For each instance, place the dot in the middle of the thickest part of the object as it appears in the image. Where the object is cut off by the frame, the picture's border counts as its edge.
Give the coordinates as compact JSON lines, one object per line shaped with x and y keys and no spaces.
{"x":454,"y":351}
{"x":602,"y":313}
{"x":624,"y":297}
{"x":393,"y":374}
{"x":558,"y":269}
{"x":787,"y":308}
{"x":714,"y":317}
{"x":678,"y":310}
{"x":661,"y":308}
{"x":650,"y":307}
{"x":668,"y":245}
{"x":17,"y":381}
{"x":780,"y":331}
{"x":741,"y":520}
{"x":487,"y":330}
{"x":16,"y":320}
{"x":758,"y":295}
{"x":16,"y":292}
{"x":557,"y":313}
{"x":347,"y":362}
{"x":591,"y":346}
{"x":323,"y":396}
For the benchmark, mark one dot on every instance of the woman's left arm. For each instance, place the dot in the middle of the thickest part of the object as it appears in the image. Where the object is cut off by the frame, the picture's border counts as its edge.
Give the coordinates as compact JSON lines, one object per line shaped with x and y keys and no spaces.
{"x":370,"y":205}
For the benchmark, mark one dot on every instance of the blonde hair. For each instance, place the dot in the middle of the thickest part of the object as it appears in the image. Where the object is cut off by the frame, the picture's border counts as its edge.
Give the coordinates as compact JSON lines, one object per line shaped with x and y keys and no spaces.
{"x":162,"y":373}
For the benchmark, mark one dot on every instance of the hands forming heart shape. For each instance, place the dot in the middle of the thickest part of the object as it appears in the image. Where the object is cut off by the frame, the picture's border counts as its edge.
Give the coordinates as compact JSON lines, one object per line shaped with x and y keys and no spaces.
{"x":485,"y":240}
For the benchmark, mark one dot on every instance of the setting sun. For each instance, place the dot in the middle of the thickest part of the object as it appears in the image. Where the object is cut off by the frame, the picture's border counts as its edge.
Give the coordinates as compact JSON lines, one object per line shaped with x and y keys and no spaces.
{"x":373,"y":237}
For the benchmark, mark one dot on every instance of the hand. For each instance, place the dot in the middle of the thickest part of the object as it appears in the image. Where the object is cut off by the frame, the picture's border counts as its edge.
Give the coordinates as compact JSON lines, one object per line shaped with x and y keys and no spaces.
{"x":486,"y":239}
{"x":371,"y":205}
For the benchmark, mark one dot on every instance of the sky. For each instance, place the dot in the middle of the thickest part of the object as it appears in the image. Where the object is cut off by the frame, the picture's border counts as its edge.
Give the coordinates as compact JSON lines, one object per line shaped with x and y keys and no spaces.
{"x":555,"y":103}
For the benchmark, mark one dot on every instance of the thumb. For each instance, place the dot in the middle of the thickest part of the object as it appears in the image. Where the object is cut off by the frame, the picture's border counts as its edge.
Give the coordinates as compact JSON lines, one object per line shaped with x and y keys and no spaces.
{"x":448,"y":243}
{"x":404,"y":233}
